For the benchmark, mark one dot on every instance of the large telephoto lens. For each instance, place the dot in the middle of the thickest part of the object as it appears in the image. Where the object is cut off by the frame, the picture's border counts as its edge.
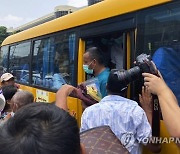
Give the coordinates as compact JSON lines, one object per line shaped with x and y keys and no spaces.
{"x":130,"y":75}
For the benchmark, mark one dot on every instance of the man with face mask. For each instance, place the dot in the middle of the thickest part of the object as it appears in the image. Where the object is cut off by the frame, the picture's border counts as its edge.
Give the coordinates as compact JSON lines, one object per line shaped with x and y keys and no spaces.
{"x":93,"y":63}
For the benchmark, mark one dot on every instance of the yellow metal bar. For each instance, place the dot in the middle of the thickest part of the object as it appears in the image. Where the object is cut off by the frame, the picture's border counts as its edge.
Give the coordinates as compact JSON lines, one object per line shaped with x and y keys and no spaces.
{"x":128,"y":51}
{"x":128,"y":59}
{"x":81,"y":76}
{"x":135,"y":38}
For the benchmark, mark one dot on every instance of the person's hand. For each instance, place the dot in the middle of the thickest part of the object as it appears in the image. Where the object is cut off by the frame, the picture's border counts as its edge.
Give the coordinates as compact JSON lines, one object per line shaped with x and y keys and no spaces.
{"x":146,"y":99}
{"x":66,"y":89}
{"x":155,"y":85}
{"x":62,"y":94}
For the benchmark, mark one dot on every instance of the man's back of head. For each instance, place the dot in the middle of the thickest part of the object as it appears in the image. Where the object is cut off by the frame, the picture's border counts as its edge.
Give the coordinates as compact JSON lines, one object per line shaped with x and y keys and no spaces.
{"x":40,"y":128}
{"x":22,"y":98}
{"x":117,"y":83}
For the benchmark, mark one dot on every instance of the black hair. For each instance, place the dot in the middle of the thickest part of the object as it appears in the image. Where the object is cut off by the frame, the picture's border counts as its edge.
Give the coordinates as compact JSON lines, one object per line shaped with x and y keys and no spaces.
{"x":116,"y":83}
{"x":96,"y":53}
{"x":40,"y":128}
{"x":8,"y":92}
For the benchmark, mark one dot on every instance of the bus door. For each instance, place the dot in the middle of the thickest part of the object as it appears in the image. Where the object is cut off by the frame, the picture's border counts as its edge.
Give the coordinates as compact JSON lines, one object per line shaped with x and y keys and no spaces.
{"x":114,"y":37}
{"x":117,"y":49}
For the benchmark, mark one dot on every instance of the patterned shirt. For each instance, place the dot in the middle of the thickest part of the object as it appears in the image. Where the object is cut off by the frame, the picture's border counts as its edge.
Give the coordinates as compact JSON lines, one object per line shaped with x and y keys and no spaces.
{"x":125,"y":118}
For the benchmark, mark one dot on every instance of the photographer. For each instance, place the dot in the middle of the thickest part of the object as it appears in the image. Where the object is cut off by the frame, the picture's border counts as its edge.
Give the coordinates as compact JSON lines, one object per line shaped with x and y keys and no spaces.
{"x":124,"y":116}
{"x":168,"y":102}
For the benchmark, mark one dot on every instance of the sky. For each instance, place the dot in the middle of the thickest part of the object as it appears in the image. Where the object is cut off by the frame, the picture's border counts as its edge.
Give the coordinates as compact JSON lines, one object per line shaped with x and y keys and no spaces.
{"x":14,"y":13}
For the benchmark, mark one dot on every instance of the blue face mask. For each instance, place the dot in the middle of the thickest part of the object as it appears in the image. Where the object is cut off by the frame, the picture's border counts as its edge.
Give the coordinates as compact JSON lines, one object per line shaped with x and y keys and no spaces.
{"x":87,"y":70}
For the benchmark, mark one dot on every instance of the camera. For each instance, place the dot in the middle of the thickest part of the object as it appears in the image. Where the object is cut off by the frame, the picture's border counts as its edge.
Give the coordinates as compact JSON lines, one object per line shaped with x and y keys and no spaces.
{"x":120,"y":80}
{"x":143,"y":65}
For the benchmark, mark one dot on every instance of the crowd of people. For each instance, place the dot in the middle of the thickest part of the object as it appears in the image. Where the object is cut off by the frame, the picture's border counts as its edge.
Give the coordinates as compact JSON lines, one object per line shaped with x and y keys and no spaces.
{"x":41,"y":128}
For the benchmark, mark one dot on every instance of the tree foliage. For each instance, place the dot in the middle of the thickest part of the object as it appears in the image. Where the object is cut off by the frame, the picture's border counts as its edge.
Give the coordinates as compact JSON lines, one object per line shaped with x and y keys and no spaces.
{"x":3,"y":33}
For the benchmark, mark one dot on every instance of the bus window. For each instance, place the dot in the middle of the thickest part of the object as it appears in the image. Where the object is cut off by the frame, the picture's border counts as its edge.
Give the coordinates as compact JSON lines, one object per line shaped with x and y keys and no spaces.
{"x":53,"y":61}
{"x":112,"y":49}
{"x":160,"y":36}
{"x":3,"y":59}
{"x":19,"y":61}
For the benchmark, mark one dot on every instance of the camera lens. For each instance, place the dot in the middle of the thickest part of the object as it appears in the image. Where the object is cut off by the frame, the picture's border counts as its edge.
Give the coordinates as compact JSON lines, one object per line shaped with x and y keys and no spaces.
{"x":133,"y":74}
{"x":128,"y":76}
{"x":118,"y":80}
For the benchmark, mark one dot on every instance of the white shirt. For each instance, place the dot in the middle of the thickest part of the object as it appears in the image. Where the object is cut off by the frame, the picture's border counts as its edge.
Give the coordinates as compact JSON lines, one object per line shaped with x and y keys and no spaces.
{"x":117,"y":56}
{"x":125,"y":117}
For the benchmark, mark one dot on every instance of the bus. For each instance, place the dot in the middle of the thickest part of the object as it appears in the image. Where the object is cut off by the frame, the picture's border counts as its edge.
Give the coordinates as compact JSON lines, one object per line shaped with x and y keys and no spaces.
{"x":45,"y":57}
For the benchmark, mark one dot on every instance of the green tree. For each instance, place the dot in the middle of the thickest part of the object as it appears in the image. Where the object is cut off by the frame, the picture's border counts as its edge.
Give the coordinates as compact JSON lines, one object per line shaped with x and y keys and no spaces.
{"x":3,"y":33}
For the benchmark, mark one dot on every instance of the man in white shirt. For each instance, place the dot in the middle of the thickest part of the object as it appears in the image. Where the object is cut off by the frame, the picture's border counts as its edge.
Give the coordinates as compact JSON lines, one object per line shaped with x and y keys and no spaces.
{"x":117,"y":54}
{"x":125,"y":117}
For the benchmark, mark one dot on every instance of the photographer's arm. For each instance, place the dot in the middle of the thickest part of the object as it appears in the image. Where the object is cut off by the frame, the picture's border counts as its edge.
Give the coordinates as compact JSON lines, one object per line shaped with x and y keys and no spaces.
{"x":61,"y":96}
{"x":168,"y":102}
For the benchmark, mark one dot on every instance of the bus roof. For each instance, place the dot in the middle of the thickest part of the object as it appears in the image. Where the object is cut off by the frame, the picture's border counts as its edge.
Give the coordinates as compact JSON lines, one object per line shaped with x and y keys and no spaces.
{"x":100,"y":11}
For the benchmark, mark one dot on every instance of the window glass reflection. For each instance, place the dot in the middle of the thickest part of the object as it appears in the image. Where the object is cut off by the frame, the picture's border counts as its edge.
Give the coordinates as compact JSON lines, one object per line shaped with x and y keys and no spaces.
{"x":19,"y":61}
{"x":53,"y":61}
{"x":3,"y":60}
{"x":159,"y":35}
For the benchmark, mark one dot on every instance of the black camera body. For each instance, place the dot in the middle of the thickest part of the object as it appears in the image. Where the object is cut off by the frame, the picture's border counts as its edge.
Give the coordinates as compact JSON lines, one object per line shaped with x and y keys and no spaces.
{"x":145,"y":64}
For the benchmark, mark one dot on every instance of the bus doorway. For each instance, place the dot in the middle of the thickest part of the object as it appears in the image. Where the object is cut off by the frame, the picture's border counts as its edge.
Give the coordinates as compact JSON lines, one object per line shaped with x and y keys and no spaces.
{"x":111,"y":47}
{"x":116,"y":49}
